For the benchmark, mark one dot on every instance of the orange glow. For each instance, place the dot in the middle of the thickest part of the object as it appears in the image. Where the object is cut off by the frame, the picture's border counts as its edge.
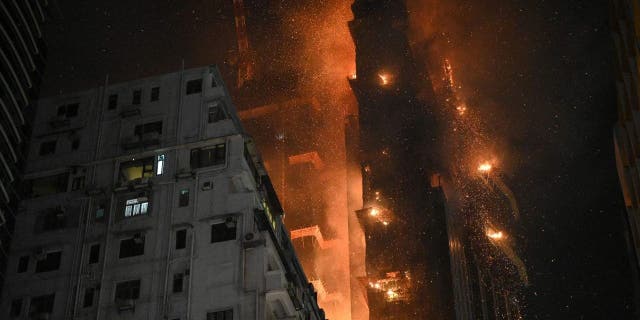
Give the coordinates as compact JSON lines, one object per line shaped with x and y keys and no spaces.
{"x":374,"y":212}
{"x":462,"y":109}
{"x":385,"y":78}
{"x":485,"y":167}
{"x":495,"y":235}
{"x":353,"y":76}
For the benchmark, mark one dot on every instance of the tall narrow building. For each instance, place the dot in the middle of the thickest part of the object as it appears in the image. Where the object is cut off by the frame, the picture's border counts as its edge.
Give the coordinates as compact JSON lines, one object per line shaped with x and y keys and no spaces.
{"x":404,"y":215}
{"x":22,"y":55}
{"x":147,"y":200}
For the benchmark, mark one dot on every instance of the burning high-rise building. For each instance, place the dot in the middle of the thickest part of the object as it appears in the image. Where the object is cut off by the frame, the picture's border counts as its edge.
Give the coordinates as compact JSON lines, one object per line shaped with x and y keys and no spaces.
{"x":404,"y":214}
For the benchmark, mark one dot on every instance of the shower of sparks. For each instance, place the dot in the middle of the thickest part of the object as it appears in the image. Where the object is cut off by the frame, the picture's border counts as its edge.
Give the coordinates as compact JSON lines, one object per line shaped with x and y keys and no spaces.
{"x":495,"y":235}
{"x":485,"y":167}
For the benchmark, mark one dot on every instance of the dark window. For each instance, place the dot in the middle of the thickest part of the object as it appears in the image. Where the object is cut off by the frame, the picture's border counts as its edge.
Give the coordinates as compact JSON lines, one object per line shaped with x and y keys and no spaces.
{"x":181,"y":239}
{"x":23,"y":264}
{"x":209,"y":156}
{"x":155,"y":93}
{"x":220,"y":315}
{"x":41,"y":304}
{"x":150,"y":127}
{"x":88,"y":297}
{"x":128,"y":290}
{"x":223,"y":231}
{"x":72,"y":110}
{"x":213,"y":82}
{"x":132,"y":247}
{"x":47,"y":185}
{"x":68,"y":111}
{"x":216,"y":112}
{"x":178,"y":280}
{"x":94,"y":253}
{"x":184,"y":198}
{"x":16,"y":307}
{"x":77,"y":183}
{"x":137,"y":96}
{"x":194,"y":86}
{"x":48,"y":147}
{"x":50,"y":263}
{"x":75,"y":144}
{"x":53,"y":219}
{"x":113,"y":101}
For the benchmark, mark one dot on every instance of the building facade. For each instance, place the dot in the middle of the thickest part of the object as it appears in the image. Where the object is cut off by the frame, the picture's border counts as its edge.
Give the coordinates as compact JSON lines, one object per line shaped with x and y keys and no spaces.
{"x":625,"y":26}
{"x":147,"y":200}
{"x":404,"y":215}
{"x":22,"y":54}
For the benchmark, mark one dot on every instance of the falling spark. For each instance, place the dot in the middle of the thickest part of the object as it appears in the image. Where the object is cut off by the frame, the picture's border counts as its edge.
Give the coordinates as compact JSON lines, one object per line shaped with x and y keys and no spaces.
{"x":485,"y":167}
{"x":386,"y":223}
{"x":462,"y":109}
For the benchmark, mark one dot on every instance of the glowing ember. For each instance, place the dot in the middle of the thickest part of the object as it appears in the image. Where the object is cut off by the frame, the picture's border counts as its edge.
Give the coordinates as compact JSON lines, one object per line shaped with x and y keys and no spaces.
{"x":391,"y":294}
{"x":485,"y":167}
{"x":462,"y":109}
{"x":374,"y":212}
{"x":495,"y":235}
{"x":353,"y":76}
{"x":385,"y":79}
{"x":386,"y":223}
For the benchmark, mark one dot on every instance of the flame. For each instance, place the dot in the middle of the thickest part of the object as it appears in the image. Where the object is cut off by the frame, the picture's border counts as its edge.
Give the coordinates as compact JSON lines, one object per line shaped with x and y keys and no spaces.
{"x":495,"y":235}
{"x":374,"y":212}
{"x":385,"y":79}
{"x":353,"y":76}
{"x":485,"y":167}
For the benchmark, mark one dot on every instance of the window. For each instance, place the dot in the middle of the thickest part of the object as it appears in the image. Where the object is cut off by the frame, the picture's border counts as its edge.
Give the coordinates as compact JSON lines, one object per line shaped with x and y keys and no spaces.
{"x":220,"y":315}
{"x":47,"y":185}
{"x":160,"y":164}
{"x":213,"y":82}
{"x":155,"y":93}
{"x":52,"y":219}
{"x":184,"y":198}
{"x":113,"y":101}
{"x":94,"y":253}
{"x":178,"y":280}
{"x":50,"y":263}
{"x":223,"y":231}
{"x":48,"y":147}
{"x":134,"y":207}
{"x":16,"y":307}
{"x":77,"y":183}
{"x":137,"y":96}
{"x":216,"y":112}
{"x":75,"y":144}
{"x":23,"y":264}
{"x":100,"y":212}
{"x":128,"y":290}
{"x":68,"y":111}
{"x":148,"y":128}
{"x":88,"y":297}
{"x":136,"y":169}
{"x":208,"y":156}
{"x":181,"y":239}
{"x":42,"y":304}
{"x":194,"y":86}
{"x":132,"y":247}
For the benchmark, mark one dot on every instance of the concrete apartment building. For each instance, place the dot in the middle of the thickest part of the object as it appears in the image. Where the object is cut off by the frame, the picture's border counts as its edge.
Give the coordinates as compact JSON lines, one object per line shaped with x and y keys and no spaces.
{"x":147,"y":200}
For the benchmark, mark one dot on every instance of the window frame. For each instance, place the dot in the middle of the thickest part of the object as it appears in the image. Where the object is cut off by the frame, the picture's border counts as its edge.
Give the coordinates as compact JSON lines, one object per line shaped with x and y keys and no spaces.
{"x":136,"y":97}
{"x":45,"y":265}
{"x":191,"y":88}
{"x":137,"y":249}
{"x":136,"y":207}
{"x":134,"y":285}
{"x":154,"y":94}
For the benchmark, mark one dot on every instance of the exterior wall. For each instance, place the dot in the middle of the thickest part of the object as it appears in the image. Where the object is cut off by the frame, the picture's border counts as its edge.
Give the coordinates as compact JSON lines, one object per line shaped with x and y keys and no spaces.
{"x":21,"y":62}
{"x":254,"y":272}
{"x":625,"y":22}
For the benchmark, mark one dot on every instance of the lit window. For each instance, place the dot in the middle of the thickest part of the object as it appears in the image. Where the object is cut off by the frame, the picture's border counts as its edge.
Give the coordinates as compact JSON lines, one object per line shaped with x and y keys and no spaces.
{"x":160,"y":164}
{"x":134,"y":207}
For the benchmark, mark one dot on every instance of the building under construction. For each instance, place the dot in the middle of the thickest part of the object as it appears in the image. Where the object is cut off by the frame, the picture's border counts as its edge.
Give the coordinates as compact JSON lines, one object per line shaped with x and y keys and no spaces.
{"x":404,"y":214}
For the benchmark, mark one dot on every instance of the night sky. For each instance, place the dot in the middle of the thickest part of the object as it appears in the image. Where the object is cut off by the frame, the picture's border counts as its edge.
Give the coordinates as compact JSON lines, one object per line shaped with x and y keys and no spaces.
{"x":543,"y":71}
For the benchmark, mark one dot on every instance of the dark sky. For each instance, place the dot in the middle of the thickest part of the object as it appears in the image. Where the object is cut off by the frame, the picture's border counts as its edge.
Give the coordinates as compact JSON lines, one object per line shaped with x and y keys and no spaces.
{"x":547,"y":65}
